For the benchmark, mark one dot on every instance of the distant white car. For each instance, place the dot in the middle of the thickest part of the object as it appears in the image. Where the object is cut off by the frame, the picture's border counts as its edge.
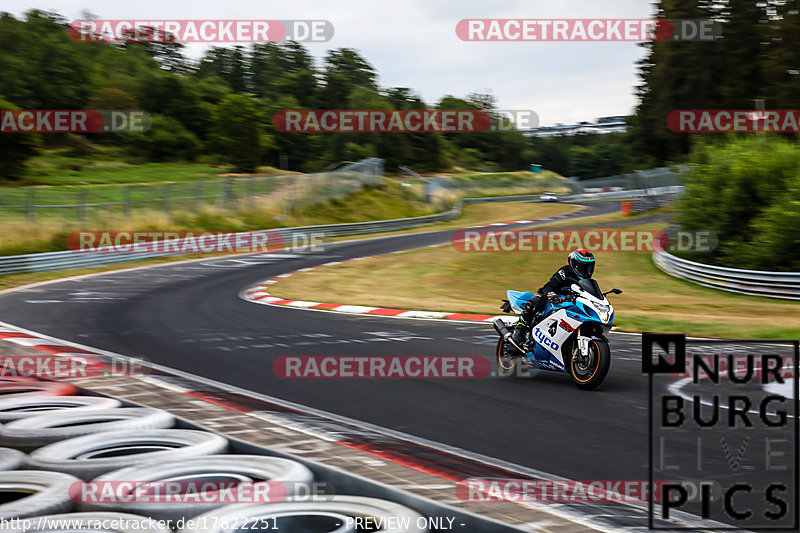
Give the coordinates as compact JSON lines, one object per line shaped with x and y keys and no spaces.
{"x":548,"y":197}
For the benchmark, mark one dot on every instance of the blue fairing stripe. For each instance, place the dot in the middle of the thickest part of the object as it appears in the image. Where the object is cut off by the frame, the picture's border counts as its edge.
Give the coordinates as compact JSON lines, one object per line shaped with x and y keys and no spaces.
{"x":587,"y":311}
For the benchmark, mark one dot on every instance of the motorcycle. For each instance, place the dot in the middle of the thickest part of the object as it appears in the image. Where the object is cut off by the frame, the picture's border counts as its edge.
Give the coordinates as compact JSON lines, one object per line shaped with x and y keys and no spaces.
{"x":570,"y":338}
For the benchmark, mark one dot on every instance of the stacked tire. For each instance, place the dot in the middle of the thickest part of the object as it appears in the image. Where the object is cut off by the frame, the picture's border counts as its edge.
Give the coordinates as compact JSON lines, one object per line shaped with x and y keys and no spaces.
{"x":54,"y":444}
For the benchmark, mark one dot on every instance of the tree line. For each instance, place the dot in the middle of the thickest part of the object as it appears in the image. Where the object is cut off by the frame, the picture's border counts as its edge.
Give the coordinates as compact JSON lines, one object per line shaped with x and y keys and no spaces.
{"x":218,"y":109}
{"x":755,"y":60}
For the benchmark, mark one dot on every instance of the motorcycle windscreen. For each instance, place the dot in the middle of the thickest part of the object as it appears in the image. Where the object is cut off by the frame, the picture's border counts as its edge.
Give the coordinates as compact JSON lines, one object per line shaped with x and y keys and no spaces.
{"x":591,"y":286}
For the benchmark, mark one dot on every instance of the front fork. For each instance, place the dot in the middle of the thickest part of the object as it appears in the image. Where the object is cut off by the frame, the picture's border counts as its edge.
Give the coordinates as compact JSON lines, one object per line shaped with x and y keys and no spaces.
{"x":583,"y":345}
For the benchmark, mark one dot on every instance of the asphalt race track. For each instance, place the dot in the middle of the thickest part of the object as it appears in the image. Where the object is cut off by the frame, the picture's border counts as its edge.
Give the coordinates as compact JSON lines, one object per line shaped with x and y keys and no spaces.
{"x":190,"y":317}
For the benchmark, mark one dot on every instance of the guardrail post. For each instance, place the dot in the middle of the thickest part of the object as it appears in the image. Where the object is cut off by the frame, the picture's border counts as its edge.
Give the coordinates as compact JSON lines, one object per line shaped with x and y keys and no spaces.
{"x":81,"y":205}
{"x":250,"y":193}
{"x":30,"y":205}
{"x":126,"y":200}
{"x":165,"y":190}
{"x":228,"y":197}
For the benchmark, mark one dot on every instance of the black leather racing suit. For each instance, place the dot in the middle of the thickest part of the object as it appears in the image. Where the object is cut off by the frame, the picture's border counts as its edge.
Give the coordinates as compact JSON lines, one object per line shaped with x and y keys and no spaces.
{"x":563,"y":278}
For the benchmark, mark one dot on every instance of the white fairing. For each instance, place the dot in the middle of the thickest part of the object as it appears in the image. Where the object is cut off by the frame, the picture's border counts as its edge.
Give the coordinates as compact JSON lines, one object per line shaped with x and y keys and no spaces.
{"x":552,"y":332}
{"x":559,"y":324}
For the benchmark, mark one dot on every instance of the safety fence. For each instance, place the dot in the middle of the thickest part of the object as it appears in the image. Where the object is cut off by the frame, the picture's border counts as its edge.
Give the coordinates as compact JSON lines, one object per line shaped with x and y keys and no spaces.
{"x":282,"y":192}
{"x":66,"y":260}
{"x":640,"y":179}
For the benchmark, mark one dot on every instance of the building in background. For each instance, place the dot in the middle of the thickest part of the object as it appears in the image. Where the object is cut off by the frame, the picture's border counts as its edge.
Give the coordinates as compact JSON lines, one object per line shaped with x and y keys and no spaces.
{"x":612,"y":124}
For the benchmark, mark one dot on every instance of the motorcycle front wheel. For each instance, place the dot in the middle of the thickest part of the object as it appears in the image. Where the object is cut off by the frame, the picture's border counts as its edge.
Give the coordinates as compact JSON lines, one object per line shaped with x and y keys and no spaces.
{"x":590,"y":370}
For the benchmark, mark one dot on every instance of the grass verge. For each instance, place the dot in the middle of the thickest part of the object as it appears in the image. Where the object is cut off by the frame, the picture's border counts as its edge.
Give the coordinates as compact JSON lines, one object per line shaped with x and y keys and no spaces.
{"x":443,"y":279}
{"x":471,"y":215}
{"x":109,"y":165}
{"x":371,"y":203}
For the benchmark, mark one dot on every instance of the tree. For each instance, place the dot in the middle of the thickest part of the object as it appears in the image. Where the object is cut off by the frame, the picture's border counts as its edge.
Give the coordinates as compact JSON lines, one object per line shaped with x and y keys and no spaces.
{"x":302,"y":84}
{"x":352,"y":66}
{"x":237,"y":132}
{"x":228,"y":64}
{"x":15,"y":149}
{"x":782,"y":69}
{"x":110,"y":98}
{"x":675,"y":75}
{"x":345,"y":70}
{"x":175,"y":96}
{"x":166,"y":140}
{"x":742,"y":53}
{"x":166,"y":51}
{"x":738,"y":191}
{"x":41,"y":67}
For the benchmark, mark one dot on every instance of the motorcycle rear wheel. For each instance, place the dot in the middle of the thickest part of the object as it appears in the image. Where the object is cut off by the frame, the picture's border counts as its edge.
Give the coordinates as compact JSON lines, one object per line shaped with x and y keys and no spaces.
{"x":506,"y":366}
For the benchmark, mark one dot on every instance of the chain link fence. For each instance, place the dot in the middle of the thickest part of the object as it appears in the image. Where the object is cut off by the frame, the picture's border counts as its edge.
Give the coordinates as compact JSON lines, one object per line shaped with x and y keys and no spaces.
{"x":640,"y":179}
{"x":286,"y":191}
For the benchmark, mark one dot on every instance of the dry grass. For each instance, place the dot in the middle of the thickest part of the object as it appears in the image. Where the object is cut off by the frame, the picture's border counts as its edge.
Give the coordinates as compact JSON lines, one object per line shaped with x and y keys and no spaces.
{"x":443,"y":279}
{"x":479,"y":214}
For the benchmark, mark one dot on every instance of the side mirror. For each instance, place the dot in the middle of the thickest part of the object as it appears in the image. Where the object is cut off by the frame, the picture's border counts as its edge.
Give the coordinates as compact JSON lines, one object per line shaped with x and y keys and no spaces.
{"x":616,"y":291}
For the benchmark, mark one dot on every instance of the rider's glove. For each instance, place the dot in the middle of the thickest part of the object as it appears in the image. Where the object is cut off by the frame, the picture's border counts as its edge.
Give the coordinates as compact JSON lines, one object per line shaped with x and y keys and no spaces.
{"x":554,"y":298}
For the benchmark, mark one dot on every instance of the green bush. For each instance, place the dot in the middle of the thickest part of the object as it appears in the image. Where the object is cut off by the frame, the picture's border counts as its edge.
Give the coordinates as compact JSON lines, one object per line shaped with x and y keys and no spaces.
{"x":166,"y":140}
{"x":746,"y":191}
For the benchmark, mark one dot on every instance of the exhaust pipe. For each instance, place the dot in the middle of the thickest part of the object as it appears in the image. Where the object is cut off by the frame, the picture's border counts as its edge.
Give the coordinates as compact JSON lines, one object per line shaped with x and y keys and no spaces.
{"x":501,"y":328}
{"x":504,"y":332}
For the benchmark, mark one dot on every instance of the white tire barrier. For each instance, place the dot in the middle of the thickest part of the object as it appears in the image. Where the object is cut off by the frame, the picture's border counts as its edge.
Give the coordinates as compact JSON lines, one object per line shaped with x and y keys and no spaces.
{"x":26,"y":387}
{"x":36,"y":405}
{"x":34,"y":432}
{"x":34,"y":493}
{"x":11,"y":459}
{"x":93,"y":455}
{"x":193,"y":472}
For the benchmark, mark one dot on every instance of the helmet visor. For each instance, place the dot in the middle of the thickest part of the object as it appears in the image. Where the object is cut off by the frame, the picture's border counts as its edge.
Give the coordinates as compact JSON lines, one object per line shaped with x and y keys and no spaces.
{"x":585,"y":269}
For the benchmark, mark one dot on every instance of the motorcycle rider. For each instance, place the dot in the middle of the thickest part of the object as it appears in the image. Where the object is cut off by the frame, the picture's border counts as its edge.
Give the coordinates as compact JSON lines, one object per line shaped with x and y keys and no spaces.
{"x":580,"y":266}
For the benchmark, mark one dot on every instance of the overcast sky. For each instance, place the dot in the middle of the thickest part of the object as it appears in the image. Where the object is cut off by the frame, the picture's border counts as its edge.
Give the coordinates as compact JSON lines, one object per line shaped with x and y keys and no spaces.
{"x":412,"y":43}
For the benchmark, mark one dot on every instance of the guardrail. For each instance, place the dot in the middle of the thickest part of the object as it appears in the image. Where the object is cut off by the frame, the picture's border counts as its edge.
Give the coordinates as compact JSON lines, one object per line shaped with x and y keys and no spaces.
{"x":68,"y":260}
{"x":781,"y":285}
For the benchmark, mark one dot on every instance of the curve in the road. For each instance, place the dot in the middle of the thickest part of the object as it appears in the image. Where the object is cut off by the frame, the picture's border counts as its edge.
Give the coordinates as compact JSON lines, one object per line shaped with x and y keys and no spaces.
{"x":188,"y":316}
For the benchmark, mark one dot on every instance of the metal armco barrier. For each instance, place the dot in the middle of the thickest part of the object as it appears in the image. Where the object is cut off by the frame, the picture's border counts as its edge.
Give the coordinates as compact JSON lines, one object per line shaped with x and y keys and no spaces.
{"x":782,"y":285}
{"x":67,"y":260}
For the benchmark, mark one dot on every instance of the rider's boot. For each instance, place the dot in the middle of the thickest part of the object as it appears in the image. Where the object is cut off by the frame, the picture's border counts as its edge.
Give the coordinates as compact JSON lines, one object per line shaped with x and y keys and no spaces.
{"x":527,"y":318}
{"x":520,"y":333}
